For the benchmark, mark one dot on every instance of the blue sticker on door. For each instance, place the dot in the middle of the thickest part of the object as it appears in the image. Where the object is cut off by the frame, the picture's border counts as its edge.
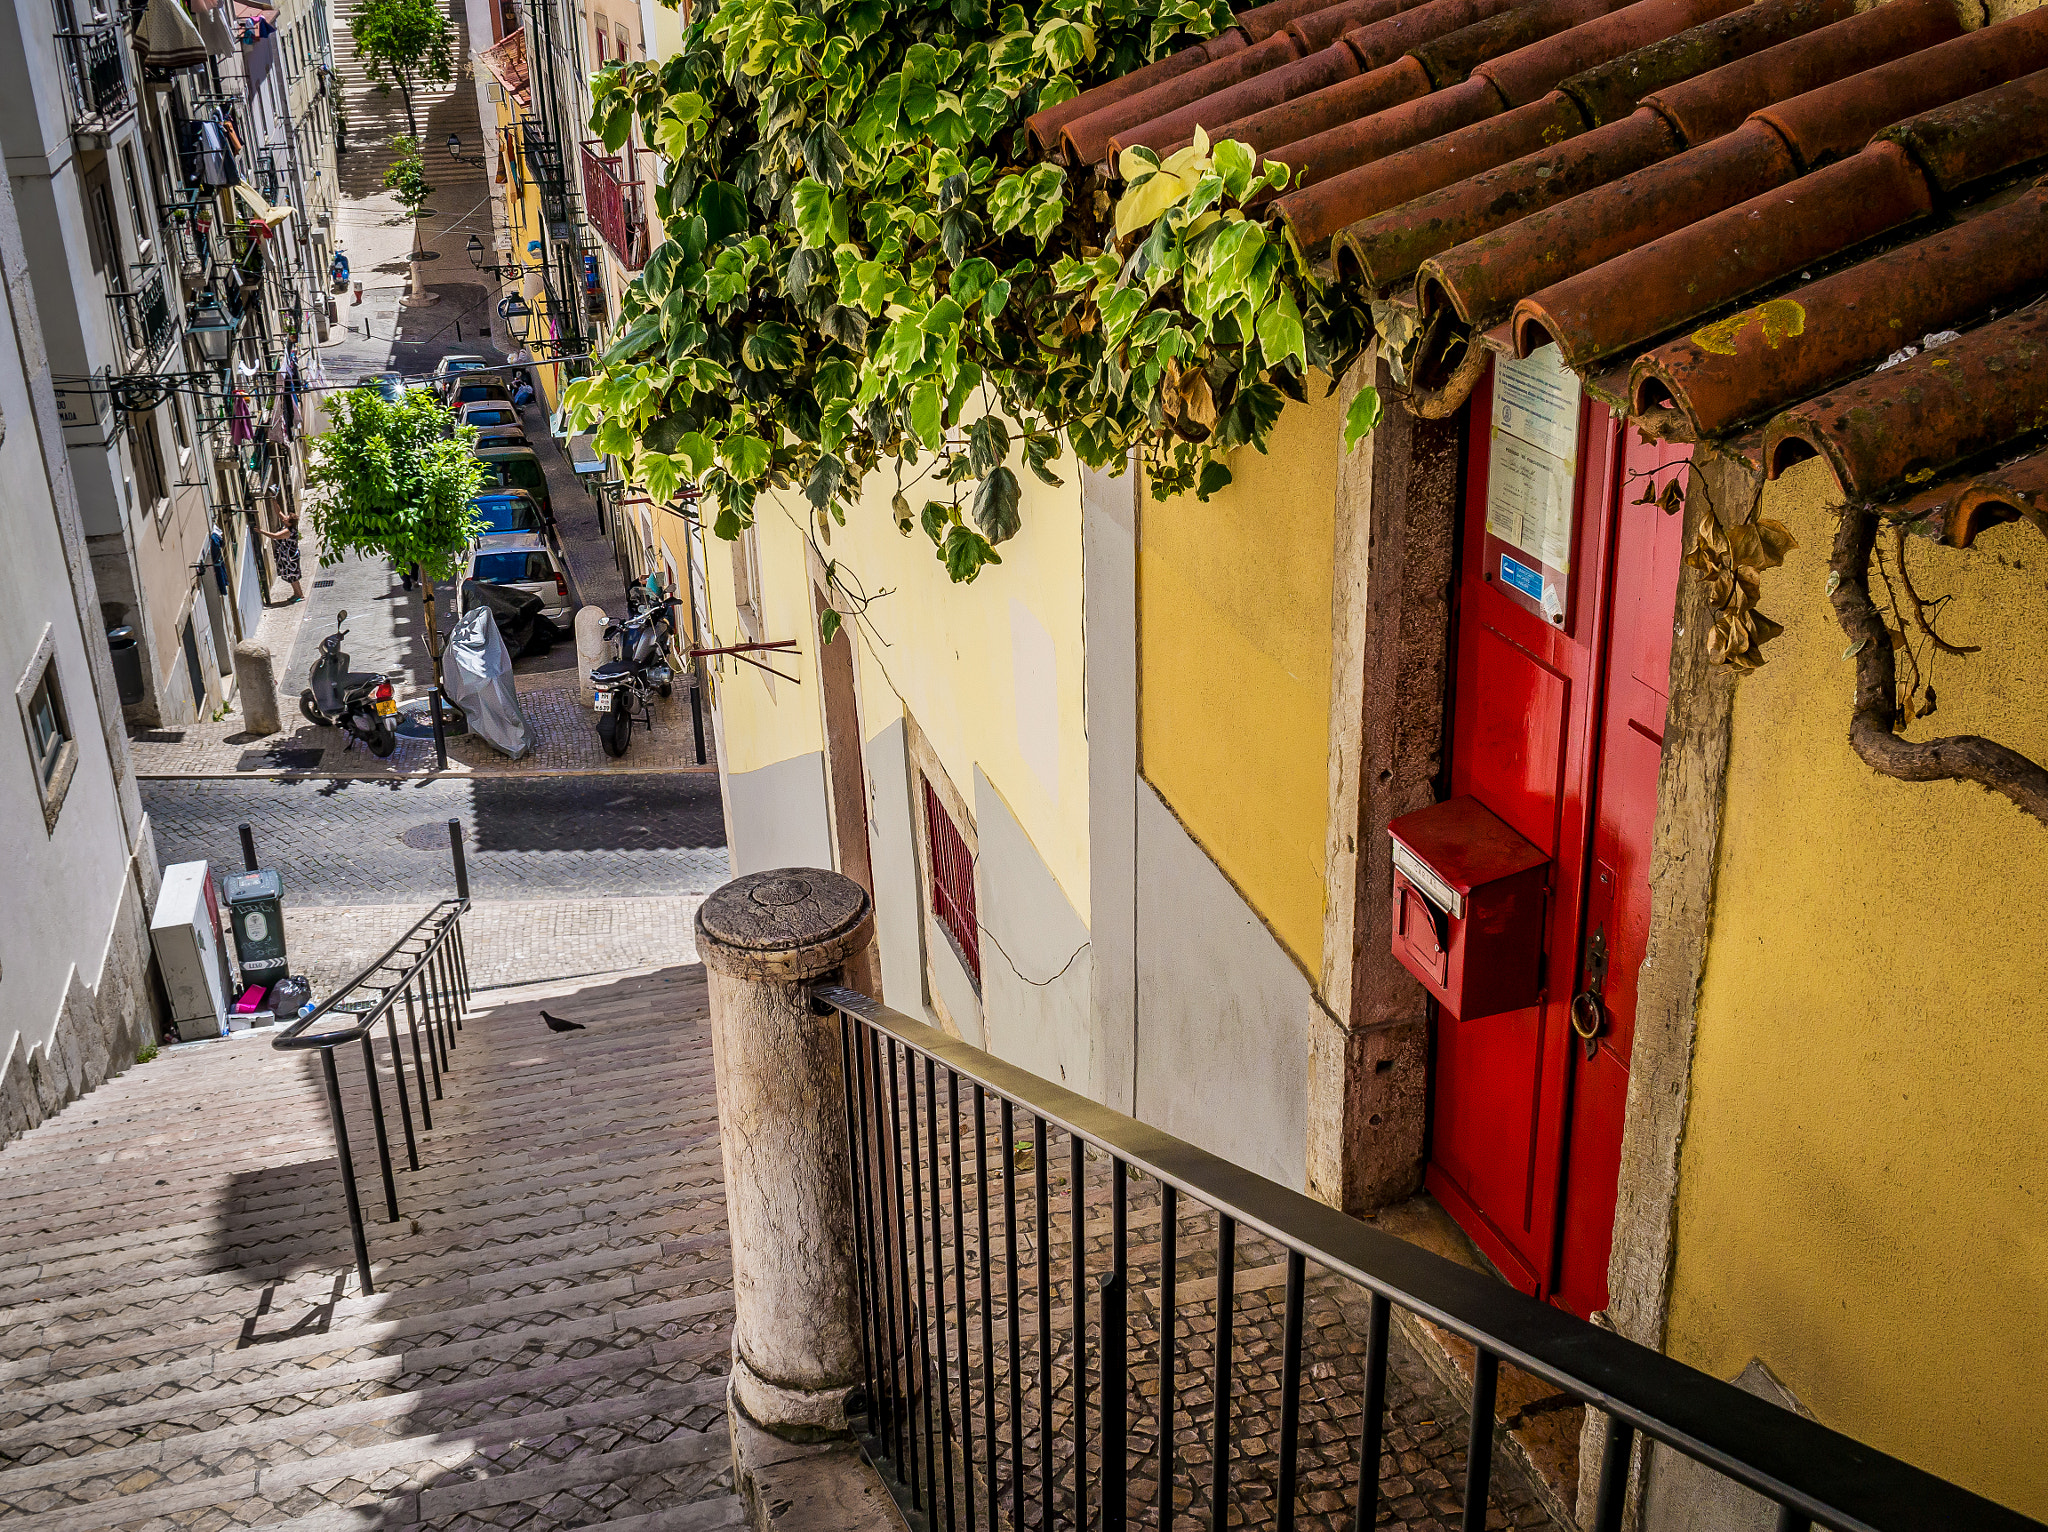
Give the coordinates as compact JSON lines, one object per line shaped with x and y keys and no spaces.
{"x":1519,"y":576}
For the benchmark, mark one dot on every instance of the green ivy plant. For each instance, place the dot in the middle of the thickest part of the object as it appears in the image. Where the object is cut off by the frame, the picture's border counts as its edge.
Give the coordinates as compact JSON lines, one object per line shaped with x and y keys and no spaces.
{"x":866,"y":265}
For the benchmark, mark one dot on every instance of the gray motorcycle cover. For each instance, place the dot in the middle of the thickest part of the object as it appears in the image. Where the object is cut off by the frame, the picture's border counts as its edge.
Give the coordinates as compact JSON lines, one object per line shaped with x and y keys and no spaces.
{"x":476,"y":671}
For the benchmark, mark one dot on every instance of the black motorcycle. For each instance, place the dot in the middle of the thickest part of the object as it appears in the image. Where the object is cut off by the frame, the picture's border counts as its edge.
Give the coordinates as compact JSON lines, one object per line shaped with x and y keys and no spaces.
{"x":358,"y":702}
{"x":622,"y":688}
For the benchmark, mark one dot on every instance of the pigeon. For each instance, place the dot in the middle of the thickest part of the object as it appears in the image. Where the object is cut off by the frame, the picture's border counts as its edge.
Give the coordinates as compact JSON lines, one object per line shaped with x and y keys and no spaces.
{"x":556,"y":1024}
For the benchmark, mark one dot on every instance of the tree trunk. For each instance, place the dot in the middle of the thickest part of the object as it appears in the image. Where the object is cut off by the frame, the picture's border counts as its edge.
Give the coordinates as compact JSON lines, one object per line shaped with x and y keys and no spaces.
{"x":412,"y":122}
{"x":433,"y":633}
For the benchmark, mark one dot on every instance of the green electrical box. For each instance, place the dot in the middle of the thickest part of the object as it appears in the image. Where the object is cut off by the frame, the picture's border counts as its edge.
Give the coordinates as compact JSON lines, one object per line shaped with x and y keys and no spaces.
{"x":255,"y":903}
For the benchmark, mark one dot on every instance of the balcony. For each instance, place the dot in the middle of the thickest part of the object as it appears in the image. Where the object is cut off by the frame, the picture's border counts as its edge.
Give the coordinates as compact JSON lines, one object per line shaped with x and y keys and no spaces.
{"x":93,"y":62}
{"x":615,"y":206}
{"x":142,"y":314}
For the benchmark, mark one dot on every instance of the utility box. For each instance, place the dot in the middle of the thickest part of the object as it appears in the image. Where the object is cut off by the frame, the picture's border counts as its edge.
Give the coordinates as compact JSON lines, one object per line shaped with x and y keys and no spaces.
{"x":185,"y":930}
{"x":256,"y":911}
{"x":1469,"y":898}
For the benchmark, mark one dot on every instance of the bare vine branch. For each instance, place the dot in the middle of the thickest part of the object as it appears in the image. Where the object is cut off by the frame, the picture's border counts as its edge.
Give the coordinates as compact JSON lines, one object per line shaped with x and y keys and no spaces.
{"x":1873,"y":726}
{"x":1914,"y":606}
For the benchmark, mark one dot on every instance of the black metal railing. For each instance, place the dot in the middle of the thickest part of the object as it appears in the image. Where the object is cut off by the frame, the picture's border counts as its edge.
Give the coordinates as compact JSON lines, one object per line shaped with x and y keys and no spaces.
{"x":143,"y":313}
{"x":991,"y":1423}
{"x":100,"y":93}
{"x":426,"y":974}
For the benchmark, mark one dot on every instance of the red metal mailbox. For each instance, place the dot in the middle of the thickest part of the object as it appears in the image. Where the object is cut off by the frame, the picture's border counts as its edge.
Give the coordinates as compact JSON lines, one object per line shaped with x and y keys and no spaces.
{"x":1469,"y":896}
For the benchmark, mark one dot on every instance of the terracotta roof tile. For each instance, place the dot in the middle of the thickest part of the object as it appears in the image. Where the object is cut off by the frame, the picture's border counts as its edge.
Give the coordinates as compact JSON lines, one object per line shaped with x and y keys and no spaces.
{"x":1660,"y":285}
{"x":1802,"y":188}
{"x":1912,"y":422}
{"x":1814,"y":336}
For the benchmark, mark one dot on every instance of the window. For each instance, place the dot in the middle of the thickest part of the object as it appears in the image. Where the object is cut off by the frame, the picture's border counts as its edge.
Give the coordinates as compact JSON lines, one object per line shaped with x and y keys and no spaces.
{"x":513,"y":569}
{"x":46,"y":724}
{"x":746,"y":581}
{"x":623,"y":42}
{"x":135,"y":205}
{"x":952,"y":881}
{"x":151,"y":480}
{"x":178,"y":430}
{"x":105,"y":233}
{"x":602,"y":55}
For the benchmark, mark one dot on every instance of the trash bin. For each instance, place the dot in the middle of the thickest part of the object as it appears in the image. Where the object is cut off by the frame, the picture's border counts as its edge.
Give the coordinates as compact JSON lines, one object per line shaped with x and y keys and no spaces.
{"x":256,"y":912}
{"x":127,"y":664}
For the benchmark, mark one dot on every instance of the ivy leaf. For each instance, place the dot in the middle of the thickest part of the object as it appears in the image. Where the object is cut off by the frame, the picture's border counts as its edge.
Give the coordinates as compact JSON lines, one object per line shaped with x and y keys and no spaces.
{"x":964,"y":553}
{"x":825,"y":481}
{"x":925,"y":418}
{"x":996,"y":503}
{"x":994,"y":300}
{"x":770,"y":345}
{"x":1214,"y":477}
{"x":1280,"y":335}
{"x":848,"y":326}
{"x":936,"y":517}
{"x":1040,"y":448}
{"x":825,"y":155}
{"x":745,"y":456}
{"x":959,"y":231}
{"x":636,"y":337}
{"x":695,"y":446}
{"x":828,"y":626}
{"x":724,"y":211}
{"x":988,"y":443}
{"x":863,"y":19}
{"x":1363,"y":415}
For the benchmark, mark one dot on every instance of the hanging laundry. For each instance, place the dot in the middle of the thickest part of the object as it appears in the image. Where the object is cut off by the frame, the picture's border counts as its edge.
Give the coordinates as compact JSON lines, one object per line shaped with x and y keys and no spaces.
{"x":241,"y":419}
{"x":215,"y":155}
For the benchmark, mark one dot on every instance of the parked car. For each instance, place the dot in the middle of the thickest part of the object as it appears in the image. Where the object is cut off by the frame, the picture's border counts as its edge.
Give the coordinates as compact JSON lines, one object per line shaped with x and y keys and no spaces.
{"x":450,"y":367}
{"x":491,"y":438}
{"x":517,"y":468}
{"x":520,"y":561}
{"x":492,"y":412}
{"x":478,"y":391}
{"x":390,"y":386}
{"x":510,"y":510}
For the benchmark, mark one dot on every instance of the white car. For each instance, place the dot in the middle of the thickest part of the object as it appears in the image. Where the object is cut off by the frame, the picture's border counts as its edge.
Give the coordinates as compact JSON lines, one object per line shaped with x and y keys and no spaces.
{"x":521,"y":561}
{"x":489,"y":413}
{"x":446,"y":370}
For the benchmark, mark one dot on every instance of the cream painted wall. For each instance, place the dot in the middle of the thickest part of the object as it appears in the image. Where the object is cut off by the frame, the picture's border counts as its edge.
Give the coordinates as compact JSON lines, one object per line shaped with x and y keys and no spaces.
{"x":1864,"y":1187}
{"x":1234,"y":667}
{"x":968,"y":662}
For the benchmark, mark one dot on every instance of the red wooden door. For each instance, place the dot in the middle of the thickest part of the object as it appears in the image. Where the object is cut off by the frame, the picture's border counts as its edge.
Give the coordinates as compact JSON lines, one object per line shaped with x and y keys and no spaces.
{"x":1557,"y":725}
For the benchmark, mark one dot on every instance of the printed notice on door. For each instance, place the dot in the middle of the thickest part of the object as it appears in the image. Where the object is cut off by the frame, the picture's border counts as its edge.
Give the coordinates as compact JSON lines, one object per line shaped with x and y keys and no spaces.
{"x":1534,"y":465}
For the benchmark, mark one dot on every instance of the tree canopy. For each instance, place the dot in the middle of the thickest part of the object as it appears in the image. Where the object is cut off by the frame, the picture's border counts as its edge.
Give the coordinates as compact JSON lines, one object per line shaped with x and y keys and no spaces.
{"x":866,"y":266}
{"x":390,"y":480}
{"x":402,"y":43}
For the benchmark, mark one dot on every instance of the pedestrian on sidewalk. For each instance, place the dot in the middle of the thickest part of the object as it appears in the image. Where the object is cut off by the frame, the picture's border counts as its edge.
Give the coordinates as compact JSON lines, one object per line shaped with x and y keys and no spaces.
{"x":285,"y":553}
{"x":411,"y":574}
{"x":522,"y":392}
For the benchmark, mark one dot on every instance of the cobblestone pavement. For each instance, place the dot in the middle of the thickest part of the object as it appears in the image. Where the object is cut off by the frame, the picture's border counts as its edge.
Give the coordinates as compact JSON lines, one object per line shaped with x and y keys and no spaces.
{"x":185,"y":1344}
{"x":1421,"y":1473}
{"x":368,"y":843}
{"x":529,"y":942}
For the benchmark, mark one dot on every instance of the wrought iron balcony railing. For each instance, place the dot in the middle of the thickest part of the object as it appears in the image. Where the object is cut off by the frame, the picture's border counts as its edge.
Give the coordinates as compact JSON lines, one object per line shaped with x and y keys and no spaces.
{"x":614,"y":204}
{"x":143,"y":316}
{"x":98,"y":76}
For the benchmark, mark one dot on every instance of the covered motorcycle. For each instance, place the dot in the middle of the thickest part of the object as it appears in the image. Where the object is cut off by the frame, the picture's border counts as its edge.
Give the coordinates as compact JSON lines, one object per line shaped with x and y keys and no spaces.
{"x":518,"y":612}
{"x":476,"y":673}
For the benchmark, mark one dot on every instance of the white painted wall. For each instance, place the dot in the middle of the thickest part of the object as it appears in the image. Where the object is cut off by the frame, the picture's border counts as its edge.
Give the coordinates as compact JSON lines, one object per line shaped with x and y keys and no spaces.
{"x":776,"y":816}
{"x":1034,"y":955}
{"x":64,"y":883}
{"x":1223,"y":1011}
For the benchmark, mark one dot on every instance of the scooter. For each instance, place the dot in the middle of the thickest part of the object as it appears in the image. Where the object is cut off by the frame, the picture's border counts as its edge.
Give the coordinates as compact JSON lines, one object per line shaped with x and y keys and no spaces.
{"x":621,"y":688}
{"x":337,"y":272}
{"x":358,"y":702}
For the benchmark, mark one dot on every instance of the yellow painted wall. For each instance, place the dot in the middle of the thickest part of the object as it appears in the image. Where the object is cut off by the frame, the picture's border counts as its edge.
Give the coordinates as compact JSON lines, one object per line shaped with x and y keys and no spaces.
{"x":1234,"y":667}
{"x":941,"y":650}
{"x":1864,"y":1187}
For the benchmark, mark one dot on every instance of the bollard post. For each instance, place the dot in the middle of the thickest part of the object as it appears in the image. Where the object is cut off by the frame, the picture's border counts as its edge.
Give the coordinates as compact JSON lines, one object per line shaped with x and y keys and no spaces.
{"x":440,"y":734}
{"x":697,"y":718}
{"x":461,"y":862}
{"x":765,"y":938}
{"x":248,"y":848}
{"x":256,"y":687}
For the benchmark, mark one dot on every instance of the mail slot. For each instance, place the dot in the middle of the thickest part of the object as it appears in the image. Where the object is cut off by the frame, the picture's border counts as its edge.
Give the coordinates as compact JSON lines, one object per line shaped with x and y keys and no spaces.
{"x":1469,"y":897}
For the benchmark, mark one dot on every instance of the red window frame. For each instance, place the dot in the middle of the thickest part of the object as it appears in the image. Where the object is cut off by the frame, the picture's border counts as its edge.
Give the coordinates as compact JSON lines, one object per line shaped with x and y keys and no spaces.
{"x":952,"y":882}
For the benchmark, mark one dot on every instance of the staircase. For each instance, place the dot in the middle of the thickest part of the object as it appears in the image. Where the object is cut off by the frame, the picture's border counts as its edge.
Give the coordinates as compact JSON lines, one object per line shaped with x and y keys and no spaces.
{"x":183,"y":1342}
{"x":376,"y":117}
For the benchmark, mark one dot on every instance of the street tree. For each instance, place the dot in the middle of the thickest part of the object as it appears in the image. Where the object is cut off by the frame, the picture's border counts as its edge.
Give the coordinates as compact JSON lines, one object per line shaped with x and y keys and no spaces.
{"x":394,"y":480}
{"x":407,"y":176}
{"x":404,"y":43}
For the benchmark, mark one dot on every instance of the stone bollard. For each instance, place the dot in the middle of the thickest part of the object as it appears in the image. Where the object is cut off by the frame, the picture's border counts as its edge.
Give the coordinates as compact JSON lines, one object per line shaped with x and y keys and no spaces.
{"x":590,"y":644}
{"x":764,"y":939}
{"x":256,"y":681}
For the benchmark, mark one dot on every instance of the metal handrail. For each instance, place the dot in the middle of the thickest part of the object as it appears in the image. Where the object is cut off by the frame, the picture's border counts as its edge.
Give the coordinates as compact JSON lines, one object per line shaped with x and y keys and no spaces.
{"x":1815,"y":1475}
{"x":428,"y":970}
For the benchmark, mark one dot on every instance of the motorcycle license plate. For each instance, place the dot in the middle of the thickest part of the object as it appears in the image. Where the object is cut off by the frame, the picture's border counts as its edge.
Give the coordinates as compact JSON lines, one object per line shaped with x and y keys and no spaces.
{"x":600,"y":699}
{"x":386,"y":708}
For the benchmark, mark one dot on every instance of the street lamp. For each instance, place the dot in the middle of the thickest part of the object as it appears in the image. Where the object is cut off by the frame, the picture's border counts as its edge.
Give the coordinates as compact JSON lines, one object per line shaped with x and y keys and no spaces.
{"x":517,"y":314}
{"x":455,"y":146}
{"x":213,"y":328}
{"x":476,"y":252}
